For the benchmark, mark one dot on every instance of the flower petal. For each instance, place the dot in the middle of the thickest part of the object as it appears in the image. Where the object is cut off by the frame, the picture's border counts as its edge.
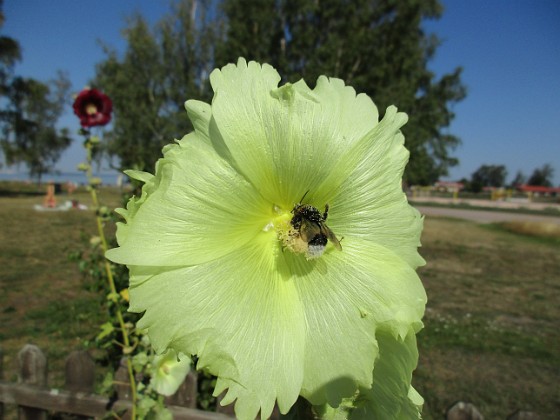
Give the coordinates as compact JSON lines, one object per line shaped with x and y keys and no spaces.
{"x":370,"y":203}
{"x":92,"y":107}
{"x":200,"y":113}
{"x":347,"y":296}
{"x":169,"y":372}
{"x":274,"y":325}
{"x":196,"y":208}
{"x":391,"y":396}
{"x":278,"y":135}
{"x":238,"y":314}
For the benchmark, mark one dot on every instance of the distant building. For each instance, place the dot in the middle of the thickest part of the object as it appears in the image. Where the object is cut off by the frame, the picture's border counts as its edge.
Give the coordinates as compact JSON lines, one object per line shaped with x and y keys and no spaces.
{"x":448,"y":186}
{"x":538,"y":189}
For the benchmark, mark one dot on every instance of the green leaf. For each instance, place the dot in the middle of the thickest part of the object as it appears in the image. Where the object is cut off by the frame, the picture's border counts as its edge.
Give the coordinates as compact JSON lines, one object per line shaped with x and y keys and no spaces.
{"x":106,"y":329}
{"x":139,"y":175}
{"x":139,"y":361}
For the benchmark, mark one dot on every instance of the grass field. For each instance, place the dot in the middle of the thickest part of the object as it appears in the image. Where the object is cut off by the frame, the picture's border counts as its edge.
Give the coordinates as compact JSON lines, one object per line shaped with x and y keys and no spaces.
{"x":491,"y":335}
{"x":43,"y":298}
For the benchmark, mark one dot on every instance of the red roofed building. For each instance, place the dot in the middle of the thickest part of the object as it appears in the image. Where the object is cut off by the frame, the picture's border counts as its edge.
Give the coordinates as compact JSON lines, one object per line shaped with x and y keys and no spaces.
{"x":538,"y":189}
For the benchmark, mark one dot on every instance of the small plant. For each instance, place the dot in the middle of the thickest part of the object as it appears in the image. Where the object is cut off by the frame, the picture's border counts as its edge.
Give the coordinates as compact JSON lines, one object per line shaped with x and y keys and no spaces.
{"x":151,"y":376}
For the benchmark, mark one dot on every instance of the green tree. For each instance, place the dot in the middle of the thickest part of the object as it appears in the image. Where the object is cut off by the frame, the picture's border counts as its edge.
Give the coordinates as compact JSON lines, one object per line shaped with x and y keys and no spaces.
{"x":380,"y":48}
{"x":519,"y":179}
{"x":488,"y":176}
{"x":542,"y":176}
{"x":149,"y":83}
{"x":10,"y":54}
{"x":29,"y":133}
{"x":28,"y":115}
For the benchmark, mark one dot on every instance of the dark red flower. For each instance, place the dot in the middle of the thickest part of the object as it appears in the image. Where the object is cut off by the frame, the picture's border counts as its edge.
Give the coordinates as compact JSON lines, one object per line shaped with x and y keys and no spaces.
{"x":93,"y":108}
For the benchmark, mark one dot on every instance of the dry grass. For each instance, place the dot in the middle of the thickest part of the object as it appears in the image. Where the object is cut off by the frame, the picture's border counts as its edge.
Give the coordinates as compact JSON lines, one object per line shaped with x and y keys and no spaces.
{"x":535,"y":229}
{"x":491,"y":334}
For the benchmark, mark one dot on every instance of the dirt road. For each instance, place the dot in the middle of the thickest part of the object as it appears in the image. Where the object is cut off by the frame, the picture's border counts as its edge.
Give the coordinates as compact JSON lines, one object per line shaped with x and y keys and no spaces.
{"x":484,"y":216}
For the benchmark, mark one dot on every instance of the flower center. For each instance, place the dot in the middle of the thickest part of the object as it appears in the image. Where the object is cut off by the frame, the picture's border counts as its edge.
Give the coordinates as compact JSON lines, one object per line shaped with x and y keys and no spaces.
{"x":91,"y":109}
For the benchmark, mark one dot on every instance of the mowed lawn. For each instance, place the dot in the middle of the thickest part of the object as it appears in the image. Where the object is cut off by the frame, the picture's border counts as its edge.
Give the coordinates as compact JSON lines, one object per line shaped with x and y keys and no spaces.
{"x":43,"y":296}
{"x":492,"y":323}
{"x":492,"y":333}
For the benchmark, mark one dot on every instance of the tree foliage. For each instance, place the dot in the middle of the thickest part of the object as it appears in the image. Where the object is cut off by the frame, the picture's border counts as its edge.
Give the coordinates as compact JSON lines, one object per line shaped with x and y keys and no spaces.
{"x":378,"y":47}
{"x":10,"y":53}
{"x":542,"y":176}
{"x":488,"y":176}
{"x":149,"y":83}
{"x":29,"y":133}
{"x":29,"y":113}
{"x":519,"y":179}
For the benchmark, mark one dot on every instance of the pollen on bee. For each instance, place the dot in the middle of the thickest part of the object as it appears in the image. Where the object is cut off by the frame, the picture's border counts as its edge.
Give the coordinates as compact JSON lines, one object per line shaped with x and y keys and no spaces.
{"x":292,"y":241}
{"x":290,"y":237}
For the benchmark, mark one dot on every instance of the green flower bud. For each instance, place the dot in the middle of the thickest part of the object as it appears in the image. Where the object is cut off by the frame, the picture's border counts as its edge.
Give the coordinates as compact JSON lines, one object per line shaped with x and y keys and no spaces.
{"x":84,"y":167}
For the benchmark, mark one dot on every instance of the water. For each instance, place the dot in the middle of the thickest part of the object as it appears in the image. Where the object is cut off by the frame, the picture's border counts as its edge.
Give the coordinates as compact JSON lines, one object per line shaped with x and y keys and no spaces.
{"x":79,"y":178}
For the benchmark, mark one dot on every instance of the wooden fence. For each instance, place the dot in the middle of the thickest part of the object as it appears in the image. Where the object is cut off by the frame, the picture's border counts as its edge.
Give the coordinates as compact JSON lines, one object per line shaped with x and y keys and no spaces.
{"x":35,"y":400}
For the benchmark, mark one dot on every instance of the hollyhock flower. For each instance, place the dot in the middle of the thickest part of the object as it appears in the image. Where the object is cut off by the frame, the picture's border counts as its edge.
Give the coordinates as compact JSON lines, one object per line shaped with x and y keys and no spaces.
{"x":276,"y":244}
{"x":93,"y":108}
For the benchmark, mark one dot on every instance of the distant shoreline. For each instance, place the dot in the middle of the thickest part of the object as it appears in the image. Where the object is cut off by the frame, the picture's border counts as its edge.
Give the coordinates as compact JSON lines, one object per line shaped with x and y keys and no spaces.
{"x":78,"y":178}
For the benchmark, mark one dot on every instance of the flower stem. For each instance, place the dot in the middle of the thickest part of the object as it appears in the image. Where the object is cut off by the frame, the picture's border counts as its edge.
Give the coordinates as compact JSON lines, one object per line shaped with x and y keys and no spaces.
{"x":110,"y":279}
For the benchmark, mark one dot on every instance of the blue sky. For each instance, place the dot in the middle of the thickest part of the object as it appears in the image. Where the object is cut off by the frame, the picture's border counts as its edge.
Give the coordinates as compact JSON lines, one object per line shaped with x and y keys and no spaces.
{"x":509,"y":49}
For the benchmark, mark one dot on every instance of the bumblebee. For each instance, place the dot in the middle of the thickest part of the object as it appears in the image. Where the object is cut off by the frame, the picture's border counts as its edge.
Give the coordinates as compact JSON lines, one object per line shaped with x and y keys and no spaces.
{"x":310,"y":226}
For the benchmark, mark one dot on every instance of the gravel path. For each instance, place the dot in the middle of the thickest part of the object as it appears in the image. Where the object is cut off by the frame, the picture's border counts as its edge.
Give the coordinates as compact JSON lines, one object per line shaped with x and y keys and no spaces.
{"x":485,"y":216}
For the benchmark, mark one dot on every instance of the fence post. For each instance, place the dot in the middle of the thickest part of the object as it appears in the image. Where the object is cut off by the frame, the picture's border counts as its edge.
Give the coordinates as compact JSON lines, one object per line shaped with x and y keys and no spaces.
{"x":80,"y":372}
{"x":122,"y":381}
{"x":33,"y":371}
{"x":463,"y":411}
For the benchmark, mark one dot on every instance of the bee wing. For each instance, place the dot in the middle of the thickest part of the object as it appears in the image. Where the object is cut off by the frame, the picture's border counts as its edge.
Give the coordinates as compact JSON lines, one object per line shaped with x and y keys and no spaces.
{"x":309,"y":230}
{"x":325,"y":230}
